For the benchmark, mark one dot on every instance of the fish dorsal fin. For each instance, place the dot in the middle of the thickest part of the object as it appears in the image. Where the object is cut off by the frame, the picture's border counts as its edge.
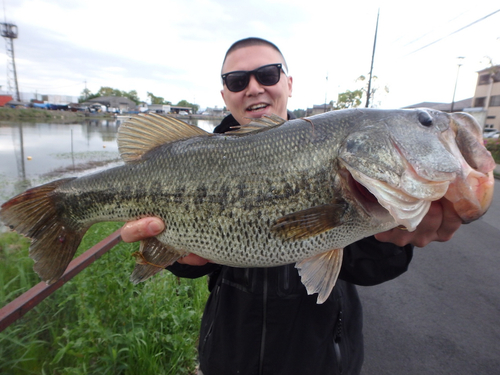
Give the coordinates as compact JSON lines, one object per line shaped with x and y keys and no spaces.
{"x":142,"y":133}
{"x":257,"y":124}
{"x":320,"y":272}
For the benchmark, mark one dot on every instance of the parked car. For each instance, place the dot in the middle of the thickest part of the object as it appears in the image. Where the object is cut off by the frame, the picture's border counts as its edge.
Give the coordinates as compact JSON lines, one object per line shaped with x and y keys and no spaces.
{"x":183,"y":113}
{"x":491,"y":133}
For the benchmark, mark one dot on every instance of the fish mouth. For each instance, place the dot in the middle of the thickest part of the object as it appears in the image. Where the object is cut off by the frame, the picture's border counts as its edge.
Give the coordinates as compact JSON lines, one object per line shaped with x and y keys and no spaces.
{"x":388,"y":203}
{"x":362,"y":195}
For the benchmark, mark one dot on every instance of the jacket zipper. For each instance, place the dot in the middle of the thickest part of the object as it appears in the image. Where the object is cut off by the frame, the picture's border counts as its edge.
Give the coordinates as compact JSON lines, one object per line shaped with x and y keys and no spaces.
{"x":264,"y":325}
{"x":336,"y":341}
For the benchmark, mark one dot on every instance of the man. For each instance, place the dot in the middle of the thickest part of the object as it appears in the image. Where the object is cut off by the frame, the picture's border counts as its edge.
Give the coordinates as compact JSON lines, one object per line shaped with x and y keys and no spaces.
{"x":261,"y":321}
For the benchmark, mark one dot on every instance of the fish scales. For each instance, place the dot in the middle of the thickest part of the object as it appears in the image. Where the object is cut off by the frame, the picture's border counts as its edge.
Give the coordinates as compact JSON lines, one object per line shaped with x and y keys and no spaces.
{"x":207,"y":197}
{"x":269,"y":194}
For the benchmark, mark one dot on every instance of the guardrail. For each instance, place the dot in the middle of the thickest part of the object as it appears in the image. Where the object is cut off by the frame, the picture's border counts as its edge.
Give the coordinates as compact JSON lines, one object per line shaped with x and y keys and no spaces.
{"x":28,"y":300}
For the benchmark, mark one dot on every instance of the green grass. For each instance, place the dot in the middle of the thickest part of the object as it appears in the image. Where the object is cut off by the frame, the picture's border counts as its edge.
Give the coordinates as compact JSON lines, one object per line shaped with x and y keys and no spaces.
{"x":36,"y":114}
{"x":99,"y":322}
{"x":493,"y":146}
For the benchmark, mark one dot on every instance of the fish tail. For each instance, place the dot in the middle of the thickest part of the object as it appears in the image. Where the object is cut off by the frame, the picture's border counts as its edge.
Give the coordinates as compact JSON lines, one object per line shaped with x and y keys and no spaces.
{"x":53,"y":242}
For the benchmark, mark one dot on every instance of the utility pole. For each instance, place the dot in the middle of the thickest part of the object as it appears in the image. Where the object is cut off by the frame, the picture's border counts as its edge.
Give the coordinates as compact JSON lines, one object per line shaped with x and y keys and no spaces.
{"x":368,"y":93}
{"x":460,"y":59}
{"x":326,"y":91}
{"x":9,"y":32}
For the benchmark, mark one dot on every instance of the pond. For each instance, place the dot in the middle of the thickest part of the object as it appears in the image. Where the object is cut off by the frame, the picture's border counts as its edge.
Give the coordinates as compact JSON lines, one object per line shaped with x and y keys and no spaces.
{"x":34,"y":153}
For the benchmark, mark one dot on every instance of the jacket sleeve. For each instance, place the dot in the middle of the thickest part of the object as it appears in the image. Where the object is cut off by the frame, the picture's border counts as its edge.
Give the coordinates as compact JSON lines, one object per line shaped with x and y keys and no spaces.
{"x":370,"y":262}
{"x":192,"y":272}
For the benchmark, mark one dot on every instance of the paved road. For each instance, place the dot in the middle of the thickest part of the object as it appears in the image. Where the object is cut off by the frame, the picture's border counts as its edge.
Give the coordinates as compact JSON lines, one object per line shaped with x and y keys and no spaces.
{"x":443,"y":315}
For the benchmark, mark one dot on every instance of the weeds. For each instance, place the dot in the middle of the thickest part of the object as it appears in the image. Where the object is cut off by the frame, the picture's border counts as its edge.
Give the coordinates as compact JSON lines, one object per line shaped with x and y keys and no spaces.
{"x":100,"y":322}
{"x":493,"y":146}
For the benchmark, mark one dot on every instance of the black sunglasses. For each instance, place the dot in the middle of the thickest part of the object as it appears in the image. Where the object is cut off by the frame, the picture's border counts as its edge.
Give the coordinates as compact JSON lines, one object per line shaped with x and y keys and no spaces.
{"x":267,"y":75}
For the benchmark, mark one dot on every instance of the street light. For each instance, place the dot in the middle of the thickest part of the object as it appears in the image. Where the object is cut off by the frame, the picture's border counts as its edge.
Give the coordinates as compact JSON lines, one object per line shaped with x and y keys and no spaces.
{"x":460,"y":59}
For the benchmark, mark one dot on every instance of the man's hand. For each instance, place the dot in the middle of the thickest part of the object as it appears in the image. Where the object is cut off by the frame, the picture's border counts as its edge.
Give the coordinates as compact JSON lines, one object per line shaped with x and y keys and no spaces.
{"x":440,"y":223}
{"x":151,"y":226}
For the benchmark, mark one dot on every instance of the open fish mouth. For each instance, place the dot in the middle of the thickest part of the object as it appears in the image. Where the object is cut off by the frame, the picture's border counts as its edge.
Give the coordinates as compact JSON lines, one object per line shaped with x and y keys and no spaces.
{"x":407,"y":209}
{"x":407,"y":204}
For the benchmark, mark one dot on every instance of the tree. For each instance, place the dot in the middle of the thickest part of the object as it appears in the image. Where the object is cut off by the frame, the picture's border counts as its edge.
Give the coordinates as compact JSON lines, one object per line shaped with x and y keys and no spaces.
{"x":299,"y":113}
{"x":157,"y":99}
{"x":348,"y":99}
{"x":108,"y":91}
{"x":85,"y":95}
{"x":375,"y":86}
{"x":132,"y":95}
{"x":185,"y":103}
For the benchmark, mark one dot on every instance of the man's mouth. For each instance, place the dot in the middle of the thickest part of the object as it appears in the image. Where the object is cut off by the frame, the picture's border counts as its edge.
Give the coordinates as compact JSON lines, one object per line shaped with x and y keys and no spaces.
{"x":257,"y":107}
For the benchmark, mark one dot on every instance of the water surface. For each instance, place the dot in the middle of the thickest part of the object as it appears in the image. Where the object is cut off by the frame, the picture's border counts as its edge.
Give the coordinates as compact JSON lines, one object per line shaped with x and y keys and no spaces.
{"x":32,"y":153}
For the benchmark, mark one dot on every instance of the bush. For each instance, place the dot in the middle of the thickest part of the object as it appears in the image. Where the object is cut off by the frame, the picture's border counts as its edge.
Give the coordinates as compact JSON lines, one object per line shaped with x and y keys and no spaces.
{"x":493,"y":146}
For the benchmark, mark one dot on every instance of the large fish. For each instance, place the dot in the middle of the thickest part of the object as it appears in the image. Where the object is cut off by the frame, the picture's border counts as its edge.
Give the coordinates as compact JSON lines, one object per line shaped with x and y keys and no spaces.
{"x":267,"y":194}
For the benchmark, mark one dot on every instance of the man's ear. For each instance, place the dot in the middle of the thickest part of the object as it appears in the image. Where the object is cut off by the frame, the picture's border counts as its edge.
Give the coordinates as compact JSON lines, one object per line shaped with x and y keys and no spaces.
{"x":290,"y":84}
{"x":222,"y":93}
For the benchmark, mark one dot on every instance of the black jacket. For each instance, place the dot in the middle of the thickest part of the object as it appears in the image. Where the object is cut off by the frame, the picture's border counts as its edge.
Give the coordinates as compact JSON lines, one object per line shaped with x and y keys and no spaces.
{"x":261,"y":321}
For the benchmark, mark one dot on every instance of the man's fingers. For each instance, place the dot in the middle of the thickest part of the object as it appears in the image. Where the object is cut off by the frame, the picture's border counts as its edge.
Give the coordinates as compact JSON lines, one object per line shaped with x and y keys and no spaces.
{"x":440,"y":223}
{"x":140,"y":229}
{"x":451,"y":221}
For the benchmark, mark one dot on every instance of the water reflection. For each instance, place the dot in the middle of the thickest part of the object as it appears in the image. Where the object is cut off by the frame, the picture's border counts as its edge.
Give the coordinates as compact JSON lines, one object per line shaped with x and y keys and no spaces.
{"x":34,"y":153}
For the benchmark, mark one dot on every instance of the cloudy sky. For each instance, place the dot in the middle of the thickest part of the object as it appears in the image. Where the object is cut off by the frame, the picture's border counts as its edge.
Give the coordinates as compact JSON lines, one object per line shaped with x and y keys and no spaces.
{"x":174,"y":49}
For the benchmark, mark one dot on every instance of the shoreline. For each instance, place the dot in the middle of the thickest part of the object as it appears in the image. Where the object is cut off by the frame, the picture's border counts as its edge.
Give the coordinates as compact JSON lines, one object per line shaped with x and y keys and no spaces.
{"x":8,"y":114}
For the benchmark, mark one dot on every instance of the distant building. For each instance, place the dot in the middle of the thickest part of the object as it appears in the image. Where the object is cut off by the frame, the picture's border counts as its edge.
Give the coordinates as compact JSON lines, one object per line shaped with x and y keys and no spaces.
{"x":318,"y":108}
{"x":217,"y":112}
{"x":28,"y":97}
{"x":458,"y":106}
{"x":159,"y":108}
{"x":182,"y":110}
{"x":54,"y":99}
{"x":487,"y":95}
{"x":115,"y":103}
{"x":4,"y":99}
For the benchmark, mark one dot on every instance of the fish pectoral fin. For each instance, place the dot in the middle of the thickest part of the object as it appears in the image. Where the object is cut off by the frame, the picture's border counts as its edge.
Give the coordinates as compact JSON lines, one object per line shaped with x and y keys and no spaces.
{"x":153,"y":256}
{"x":311,"y":222}
{"x":319,"y":273}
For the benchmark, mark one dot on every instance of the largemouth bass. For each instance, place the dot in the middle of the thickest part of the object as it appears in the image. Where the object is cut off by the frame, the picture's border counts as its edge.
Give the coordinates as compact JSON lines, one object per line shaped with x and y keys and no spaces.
{"x":267,"y":194}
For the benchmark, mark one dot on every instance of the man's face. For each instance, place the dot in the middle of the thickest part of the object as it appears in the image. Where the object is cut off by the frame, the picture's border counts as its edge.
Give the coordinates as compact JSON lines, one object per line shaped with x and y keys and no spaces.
{"x":256,"y":99}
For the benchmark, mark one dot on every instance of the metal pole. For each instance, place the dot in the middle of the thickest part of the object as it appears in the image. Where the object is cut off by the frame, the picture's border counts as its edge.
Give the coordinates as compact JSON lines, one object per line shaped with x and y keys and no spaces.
{"x":14,"y":67}
{"x":28,"y":300}
{"x":368,"y":93}
{"x":456,"y":82}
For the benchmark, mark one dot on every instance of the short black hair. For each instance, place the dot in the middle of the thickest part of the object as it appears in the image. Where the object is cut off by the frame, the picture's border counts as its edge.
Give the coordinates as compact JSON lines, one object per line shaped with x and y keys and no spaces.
{"x":253,"y":41}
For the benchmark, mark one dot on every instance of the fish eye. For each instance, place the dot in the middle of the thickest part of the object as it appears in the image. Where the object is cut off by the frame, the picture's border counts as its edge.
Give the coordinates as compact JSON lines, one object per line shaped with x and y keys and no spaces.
{"x":425,"y":118}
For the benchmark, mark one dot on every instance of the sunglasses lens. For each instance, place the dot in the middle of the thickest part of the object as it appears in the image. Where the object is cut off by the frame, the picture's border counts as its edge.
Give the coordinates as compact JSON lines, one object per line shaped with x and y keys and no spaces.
{"x":268,"y":75}
{"x":237,"y":81}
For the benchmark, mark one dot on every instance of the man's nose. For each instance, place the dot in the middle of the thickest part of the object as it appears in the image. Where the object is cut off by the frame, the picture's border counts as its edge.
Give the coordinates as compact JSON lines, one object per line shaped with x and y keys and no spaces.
{"x":254,"y":86}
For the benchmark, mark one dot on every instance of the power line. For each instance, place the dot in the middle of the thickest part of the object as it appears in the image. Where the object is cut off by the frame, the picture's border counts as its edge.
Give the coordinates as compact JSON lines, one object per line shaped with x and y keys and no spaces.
{"x":454,"y":32}
{"x":433,"y":30}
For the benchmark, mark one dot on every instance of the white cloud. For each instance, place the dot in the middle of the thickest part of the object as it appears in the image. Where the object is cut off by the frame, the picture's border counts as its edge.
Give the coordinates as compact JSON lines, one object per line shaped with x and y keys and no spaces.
{"x":175,"y":49}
